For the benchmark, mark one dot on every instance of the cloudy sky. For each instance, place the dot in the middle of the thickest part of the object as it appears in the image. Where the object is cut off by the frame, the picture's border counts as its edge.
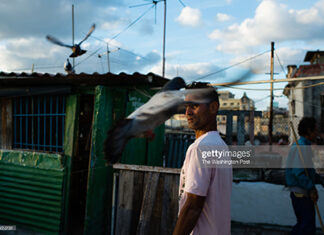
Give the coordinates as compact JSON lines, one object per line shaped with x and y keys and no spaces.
{"x":203,"y":37}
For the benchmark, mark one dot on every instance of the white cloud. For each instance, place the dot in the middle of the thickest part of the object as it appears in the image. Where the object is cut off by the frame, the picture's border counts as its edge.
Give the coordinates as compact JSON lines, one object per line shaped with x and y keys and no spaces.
{"x":189,"y":72}
{"x":190,"y":17}
{"x":222,"y":17}
{"x":21,"y":53}
{"x":272,"y":22}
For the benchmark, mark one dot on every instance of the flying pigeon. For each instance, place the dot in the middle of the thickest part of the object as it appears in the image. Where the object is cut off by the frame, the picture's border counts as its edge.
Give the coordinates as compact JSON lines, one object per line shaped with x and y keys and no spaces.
{"x":161,"y":106}
{"x":68,"y":67}
{"x":76,"y":49}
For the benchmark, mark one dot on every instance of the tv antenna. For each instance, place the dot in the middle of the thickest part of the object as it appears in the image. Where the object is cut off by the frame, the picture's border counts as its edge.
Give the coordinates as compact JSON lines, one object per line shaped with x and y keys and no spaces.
{"x":108,"y":52}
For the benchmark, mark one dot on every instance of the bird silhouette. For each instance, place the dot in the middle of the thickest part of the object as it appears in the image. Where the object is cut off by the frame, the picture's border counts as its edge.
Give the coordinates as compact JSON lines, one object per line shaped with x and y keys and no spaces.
{"x":76,"y":49}
{"x":68,"y":67}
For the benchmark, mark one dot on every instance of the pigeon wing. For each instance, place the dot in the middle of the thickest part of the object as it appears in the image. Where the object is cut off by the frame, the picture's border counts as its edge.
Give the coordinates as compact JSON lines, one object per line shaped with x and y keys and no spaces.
{"x":117,"y":138}
{"x":153,"y":113}
{"x":88,"y":34}
{"x":147,"y":117}
{"x":56,"y":41}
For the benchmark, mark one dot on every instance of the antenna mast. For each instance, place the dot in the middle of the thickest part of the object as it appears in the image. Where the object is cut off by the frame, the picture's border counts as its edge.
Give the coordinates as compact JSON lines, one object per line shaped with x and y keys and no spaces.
{"x":164,"y":32}
{"x":73,"y":61}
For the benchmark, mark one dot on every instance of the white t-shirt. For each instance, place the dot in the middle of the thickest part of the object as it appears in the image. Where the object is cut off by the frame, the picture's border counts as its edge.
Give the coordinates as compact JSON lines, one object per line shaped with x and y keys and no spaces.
{"x":213,"y":183}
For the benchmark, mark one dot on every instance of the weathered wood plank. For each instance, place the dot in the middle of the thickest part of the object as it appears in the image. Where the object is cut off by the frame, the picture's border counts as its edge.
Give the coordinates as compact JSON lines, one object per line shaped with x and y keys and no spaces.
{"x":155,"y":222}
{"x":148,"y":203}
{"x":146,"y":168}
{"x":125,"y":203}
{"x":6,"y":124}
{"x":137,"y":199}
{"x":169,"y":204}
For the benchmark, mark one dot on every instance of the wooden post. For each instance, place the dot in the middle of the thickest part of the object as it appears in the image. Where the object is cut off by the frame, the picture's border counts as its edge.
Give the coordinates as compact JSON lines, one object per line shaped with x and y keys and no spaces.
{"x":229,"y":128}
{"x":271,"y":96}
{"x":240,"y":129}
{"x":73,"y":60}
{"x":6,"y":124}
{"x":251,"y":127}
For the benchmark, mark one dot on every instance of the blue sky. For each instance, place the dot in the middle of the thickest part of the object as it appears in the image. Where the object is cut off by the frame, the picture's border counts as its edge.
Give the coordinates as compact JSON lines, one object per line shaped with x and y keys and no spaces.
{"x":202,"y":37}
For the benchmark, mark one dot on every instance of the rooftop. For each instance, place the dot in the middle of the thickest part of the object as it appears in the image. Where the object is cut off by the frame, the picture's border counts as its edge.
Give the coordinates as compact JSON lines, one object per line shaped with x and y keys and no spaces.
{"x":82,"y":79}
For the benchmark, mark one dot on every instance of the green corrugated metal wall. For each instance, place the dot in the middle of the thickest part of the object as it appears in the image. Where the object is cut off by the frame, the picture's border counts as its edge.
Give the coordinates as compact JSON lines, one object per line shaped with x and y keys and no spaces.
{"x":31,"y":190}
{"x":34,"y":186}
{"x":35,"y":195}
{"x":111,"y":104}
{"x":140,"y":151}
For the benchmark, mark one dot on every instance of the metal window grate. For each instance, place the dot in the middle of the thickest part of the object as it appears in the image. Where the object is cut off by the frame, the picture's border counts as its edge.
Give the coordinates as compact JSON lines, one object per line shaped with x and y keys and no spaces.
{"x":38,"y":122}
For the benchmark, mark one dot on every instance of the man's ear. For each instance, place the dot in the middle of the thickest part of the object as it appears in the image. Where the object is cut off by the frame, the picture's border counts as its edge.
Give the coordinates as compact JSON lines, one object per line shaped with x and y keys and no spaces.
{"x":213,"y":107}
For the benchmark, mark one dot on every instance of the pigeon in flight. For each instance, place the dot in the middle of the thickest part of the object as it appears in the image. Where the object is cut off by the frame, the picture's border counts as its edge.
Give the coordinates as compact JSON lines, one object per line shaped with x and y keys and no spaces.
{"x":142,"y":122}
{"x":163,"y":105}
{"x":76,"y":49}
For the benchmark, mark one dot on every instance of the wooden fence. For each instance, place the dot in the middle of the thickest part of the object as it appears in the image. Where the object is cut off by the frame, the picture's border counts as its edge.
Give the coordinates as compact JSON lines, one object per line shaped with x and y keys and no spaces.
{"x":145,"y":200}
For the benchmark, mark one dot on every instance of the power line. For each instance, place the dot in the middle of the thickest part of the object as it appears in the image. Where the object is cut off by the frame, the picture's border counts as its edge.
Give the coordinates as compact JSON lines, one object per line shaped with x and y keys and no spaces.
{"x":282,"y":68}
{"x":131,"y":24}
{"x":92,"y":54}
{"x":121,"y":49}
{"x":231,"y":66}
{"x":268,"y":89}
{"x":39,"y":67}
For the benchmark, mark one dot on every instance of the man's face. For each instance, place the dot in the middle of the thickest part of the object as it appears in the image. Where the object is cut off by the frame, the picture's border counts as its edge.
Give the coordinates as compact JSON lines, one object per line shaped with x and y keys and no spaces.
{"x":198,"y":115}
{"x":312,"y":134}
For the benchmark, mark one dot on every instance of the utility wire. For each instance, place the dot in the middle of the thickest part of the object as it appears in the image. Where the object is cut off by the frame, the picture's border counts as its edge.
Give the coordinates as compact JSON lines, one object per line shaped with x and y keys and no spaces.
{"x":131,"y":24}
{"x":226,"y":68}
{"x":39,"y":67}
{"x":132,"y":53}
{"x":121,"y":49}
{"x":92,"y":54}
{"x":181,"y":2}
{"x":282,"y":68}
{"x":268,"y":89}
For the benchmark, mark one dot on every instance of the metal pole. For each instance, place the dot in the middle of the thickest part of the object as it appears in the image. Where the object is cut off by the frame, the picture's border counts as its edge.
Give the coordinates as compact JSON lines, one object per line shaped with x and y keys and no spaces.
{"x":73,"y":61}
{"x":108,"y":60}
{"x":164,"y":32}
{"x":271,"y":95}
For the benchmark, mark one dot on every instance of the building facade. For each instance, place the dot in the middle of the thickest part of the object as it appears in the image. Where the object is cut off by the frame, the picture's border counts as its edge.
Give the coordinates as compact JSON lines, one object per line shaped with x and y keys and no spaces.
{"x":306,"y":98}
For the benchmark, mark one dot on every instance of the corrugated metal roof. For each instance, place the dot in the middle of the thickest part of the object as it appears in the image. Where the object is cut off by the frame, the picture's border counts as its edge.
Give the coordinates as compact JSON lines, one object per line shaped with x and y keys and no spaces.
{"x":82,"y":79}
{"x":304,"y":71}
{"x":309,"y":70}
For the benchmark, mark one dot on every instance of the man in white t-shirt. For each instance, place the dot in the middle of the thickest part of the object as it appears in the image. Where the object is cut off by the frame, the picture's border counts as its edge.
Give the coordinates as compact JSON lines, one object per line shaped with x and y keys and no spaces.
{"x":204,"y":192}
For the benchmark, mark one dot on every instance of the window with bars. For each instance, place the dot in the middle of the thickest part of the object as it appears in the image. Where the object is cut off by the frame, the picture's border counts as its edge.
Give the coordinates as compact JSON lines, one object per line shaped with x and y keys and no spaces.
{"x":38,"y":122}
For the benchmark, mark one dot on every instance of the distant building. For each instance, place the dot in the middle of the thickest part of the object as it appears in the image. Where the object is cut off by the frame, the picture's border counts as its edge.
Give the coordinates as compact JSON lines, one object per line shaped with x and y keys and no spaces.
{"x":306,"y":98}
{"x":280,"y":122}
{"x":228,"y":102}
